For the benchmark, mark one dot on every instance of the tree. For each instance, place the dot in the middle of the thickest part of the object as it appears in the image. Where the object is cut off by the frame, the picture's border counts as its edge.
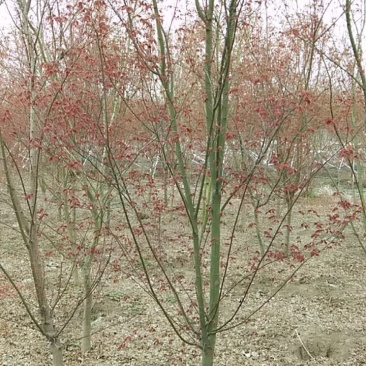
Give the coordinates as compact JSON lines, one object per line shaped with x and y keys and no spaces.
{"x":28,"y":222}
{"x":37,"y":116}
{"x":216,"y":109}
{"x":206,"y":180}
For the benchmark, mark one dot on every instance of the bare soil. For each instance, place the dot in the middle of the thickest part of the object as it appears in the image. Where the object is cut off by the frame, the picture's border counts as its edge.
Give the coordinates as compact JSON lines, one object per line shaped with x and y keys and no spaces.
{"x":318,"y":318}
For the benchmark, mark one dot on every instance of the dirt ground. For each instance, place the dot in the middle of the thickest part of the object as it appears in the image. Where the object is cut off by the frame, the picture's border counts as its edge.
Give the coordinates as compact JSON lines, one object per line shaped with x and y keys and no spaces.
{"x":318,"y":318}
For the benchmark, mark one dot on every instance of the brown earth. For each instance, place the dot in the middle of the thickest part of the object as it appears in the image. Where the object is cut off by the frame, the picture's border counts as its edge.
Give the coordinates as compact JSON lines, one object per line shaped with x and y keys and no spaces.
{"x":318,"y":318}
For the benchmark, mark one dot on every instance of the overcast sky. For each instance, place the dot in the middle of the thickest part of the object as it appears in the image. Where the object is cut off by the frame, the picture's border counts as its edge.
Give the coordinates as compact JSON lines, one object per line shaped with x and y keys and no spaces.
{"x":5,"y":19}
{"x":275,"y":10}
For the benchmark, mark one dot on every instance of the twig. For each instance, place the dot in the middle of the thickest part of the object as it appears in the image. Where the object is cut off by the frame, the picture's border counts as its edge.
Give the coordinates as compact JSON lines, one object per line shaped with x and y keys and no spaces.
{"x":303,"y":345}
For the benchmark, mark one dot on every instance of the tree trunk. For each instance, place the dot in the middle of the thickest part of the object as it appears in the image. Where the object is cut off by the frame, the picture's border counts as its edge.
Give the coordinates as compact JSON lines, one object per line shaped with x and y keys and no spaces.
{"x":86,"y":336}
{"x":288,"y":226}
{"x":208,"y":351}
{"x":55,"y":344}
{"x":56,"y":350}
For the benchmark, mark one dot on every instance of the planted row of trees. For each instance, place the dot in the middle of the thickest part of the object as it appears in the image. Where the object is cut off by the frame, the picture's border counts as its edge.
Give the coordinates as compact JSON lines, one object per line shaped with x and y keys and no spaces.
{"x":139,"y":110}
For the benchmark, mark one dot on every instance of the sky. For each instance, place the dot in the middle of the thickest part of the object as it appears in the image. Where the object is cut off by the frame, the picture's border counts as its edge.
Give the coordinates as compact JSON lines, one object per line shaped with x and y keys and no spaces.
{"x":5,"y":19}
{"x":274,"y":9}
